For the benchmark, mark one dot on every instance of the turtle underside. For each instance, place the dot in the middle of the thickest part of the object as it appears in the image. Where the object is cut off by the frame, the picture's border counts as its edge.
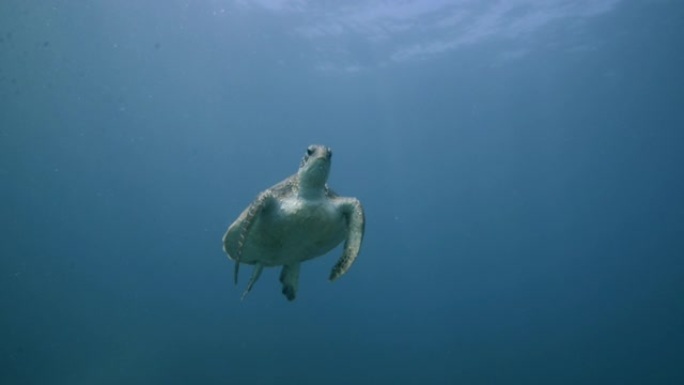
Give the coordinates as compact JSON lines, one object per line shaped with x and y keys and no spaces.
{"x":290,"y":223}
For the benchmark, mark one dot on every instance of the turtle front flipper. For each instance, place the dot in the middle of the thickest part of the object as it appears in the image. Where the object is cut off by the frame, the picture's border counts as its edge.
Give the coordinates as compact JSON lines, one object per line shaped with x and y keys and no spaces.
{"x":260,"y":204}
{"x":353,"y":212}
{"x":258,"y":268}
{"x":289,"y":277}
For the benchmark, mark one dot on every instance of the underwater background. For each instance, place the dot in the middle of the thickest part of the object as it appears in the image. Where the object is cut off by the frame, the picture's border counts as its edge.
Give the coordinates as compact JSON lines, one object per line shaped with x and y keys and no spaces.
{"x":521,"y":165}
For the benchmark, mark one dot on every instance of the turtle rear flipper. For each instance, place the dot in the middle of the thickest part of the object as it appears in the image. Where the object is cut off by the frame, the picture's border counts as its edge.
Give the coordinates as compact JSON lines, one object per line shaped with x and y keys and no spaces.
{"x":289,"y":277}
{"x":258,"y":268}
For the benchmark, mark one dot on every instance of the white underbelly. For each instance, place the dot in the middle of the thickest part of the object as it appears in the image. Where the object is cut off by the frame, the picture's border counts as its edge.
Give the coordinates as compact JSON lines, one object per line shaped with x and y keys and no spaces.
{"x":294,"y":232}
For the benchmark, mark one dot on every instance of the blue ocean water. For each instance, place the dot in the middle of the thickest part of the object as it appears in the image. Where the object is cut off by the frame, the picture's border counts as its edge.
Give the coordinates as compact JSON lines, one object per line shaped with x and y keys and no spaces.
{"x":520,"y":164}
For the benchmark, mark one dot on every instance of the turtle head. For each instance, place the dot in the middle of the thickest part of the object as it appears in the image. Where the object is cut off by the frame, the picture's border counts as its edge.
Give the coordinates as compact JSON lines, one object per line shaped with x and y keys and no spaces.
{"x":315,"y":167}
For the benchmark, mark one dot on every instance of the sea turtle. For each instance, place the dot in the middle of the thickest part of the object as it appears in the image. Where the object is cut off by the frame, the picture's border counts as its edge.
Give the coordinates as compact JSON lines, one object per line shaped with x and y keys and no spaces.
{"x":296,"y":220}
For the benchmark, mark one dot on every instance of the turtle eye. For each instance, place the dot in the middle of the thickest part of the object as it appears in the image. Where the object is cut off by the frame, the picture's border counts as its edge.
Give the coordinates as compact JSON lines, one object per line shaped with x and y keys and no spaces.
{"x":329,"y":152}
{"x":310,"y":151}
